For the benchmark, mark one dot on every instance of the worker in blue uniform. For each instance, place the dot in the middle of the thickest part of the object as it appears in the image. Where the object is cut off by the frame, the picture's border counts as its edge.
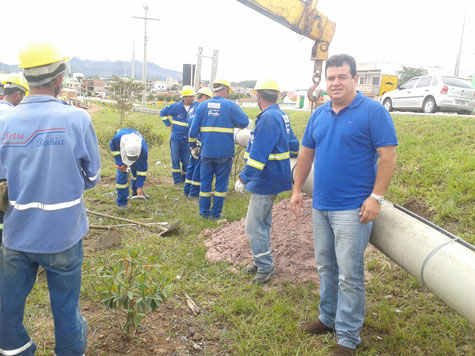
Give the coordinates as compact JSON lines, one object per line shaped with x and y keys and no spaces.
{"x":49,"y":156}
{"x":179,"y":132}
{"x":266,"y":174}
{"x":16,"y":87}
{"x":130,"y":154}
{"x":193,"y":180}
{"x":215,"y":121}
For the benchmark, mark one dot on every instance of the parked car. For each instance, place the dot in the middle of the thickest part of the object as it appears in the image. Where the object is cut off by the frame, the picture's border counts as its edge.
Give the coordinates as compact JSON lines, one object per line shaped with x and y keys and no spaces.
{"x":431,"y":93}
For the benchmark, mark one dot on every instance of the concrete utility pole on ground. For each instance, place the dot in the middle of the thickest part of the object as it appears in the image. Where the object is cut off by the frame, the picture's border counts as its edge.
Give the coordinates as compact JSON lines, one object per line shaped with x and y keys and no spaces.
{"x":144,"y":73}
{"x":459,"y":56}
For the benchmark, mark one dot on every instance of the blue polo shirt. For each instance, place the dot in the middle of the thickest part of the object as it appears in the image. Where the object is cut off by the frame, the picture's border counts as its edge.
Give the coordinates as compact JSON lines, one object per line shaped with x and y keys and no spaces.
{"x":345,"y":151}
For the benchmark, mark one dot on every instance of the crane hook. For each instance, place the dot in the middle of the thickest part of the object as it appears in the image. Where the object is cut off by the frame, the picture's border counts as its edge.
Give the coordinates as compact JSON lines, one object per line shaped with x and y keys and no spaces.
{"x":316,"y":78}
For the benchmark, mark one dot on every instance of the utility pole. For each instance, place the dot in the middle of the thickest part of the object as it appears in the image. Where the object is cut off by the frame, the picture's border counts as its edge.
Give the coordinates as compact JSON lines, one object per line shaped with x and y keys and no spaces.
{"x":144,"y":73}
{"x":457,"y":64}
{"x":132,"y":75}
{"x":214,"y":67}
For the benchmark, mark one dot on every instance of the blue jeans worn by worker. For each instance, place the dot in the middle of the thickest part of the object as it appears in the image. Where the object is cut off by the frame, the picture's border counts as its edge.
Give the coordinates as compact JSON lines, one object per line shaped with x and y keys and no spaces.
{"x":17,"y":276}
{"x":193,"y":179}
{"x":180,"y":154}
{"x":211,"y":167}
{"x":258,"y":227}
{"x":122,"y":185}
{"x":340,"y":240}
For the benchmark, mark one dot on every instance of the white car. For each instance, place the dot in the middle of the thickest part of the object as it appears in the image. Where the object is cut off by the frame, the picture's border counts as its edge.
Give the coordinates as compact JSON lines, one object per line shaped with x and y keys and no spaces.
{"x":430,"y":94}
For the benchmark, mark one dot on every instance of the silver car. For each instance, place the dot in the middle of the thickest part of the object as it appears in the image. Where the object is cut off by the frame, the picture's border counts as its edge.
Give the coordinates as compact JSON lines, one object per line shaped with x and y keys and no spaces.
{"x":431,"y":94}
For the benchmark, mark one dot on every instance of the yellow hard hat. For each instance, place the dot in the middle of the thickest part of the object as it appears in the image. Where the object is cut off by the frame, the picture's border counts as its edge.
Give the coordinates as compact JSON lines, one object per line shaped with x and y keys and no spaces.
{"x":17,"y":80}
{"x":267,"y":84}
{"x":187,"y":91}
{"x":40,"y":54}
{"x":206,"y":91}
{"x":219,"y":82}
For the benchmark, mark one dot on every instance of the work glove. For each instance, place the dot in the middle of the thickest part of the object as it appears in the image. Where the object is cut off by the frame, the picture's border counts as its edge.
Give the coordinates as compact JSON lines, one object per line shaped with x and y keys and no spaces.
{"x":195,"y":152}
{"x":239,"y":186}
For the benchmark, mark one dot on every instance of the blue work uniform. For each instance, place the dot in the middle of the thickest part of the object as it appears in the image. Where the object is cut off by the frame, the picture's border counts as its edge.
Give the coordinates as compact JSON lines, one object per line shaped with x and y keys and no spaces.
{"x":215,"y":121}
{"x":193,"y":179}
{"x":266,"y":174}
{"x":49,"y":156}
{"x":178,"y":139}
{"x":138,"y":170}
{"x":5,"y":106}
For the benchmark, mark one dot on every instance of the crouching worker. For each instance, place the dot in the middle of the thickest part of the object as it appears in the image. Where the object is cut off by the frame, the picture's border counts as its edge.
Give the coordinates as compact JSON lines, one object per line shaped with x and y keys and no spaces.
{"x":130,"y":153}
{"x":266,"y":174}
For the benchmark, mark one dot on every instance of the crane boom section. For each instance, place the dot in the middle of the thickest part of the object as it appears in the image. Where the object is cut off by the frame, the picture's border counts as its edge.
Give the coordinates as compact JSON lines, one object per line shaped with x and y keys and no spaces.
{"x":301,"y":17}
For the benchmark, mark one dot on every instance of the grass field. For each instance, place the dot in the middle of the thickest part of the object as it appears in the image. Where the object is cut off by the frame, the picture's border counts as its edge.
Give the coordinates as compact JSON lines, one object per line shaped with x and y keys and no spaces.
{"x":435,"y":173}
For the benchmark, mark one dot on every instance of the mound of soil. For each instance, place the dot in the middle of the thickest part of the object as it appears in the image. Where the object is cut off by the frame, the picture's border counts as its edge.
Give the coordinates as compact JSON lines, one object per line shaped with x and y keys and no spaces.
{"x":291,"y":244}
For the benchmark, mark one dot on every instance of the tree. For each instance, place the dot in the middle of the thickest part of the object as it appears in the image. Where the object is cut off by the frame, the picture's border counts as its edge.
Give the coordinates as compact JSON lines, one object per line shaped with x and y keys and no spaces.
{"x":409,"y":72}
{"x":124,"y":92}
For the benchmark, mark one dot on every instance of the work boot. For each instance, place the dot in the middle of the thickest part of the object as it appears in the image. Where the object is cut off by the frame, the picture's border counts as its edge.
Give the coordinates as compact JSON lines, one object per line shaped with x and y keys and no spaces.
{"x":343,"y":351}
{"x":262,"y":278}
{"x":316,"y":327}
{"x":252,"y":269}
{"x":123,"y":210}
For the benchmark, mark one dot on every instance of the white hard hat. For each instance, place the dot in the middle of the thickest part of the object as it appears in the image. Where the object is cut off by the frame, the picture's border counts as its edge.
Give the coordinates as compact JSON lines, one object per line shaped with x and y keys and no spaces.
{"x":130,"y":148}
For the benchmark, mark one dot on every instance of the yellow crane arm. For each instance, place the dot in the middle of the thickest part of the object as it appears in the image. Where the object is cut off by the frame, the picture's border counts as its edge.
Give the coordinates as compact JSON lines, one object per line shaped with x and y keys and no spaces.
{"x":304,"y":18}
{"x":301,"y":17}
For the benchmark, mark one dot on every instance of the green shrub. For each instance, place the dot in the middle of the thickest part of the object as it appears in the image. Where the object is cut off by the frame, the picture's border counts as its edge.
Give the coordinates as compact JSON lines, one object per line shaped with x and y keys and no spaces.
{"x":133,"y":285}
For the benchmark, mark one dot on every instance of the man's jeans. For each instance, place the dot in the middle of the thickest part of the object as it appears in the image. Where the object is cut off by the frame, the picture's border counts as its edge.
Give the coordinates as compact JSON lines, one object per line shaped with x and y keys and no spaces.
{"x":340,"y":241}
{"x":258,"y":227}
{"x":17,"y":276}
{"x":221,"y":169}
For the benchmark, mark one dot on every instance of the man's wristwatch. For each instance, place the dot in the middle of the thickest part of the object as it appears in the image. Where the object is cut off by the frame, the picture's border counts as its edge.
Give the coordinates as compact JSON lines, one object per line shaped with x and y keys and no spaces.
{"x":379,"y":198}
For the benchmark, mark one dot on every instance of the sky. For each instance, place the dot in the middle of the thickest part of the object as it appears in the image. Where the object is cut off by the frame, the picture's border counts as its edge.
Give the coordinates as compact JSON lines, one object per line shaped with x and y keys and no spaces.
{"x":419,"y":33}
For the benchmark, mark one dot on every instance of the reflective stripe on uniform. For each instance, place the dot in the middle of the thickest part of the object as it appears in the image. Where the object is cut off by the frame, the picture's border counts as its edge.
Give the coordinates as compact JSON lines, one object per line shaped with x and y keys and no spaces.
{"x":255,"y":164}
{"x":176,"y":170}
{"x":217,"y":129}
{"x":17,"y":351}
{"x":195,"y":183}
{"x":205,"y":194}
{"x":192,"y":139}
{"x":42,"y":206}
{"x":279,"y":156}
{"x":115,"y":153}
{"x":120,"y":186}
{"x":294,"y":152}
{"x":179,"y":123}
{"x":220,"y":194}
{"x":164,"y":118}
{"x":1,"y":226}
{"x":139,"y":173}
{"x":97,"y":175}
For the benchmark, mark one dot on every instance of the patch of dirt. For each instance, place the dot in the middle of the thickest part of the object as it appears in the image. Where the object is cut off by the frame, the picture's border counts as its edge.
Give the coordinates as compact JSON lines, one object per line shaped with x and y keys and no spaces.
{"x":420,"y":208}
{"x":291,"y":244}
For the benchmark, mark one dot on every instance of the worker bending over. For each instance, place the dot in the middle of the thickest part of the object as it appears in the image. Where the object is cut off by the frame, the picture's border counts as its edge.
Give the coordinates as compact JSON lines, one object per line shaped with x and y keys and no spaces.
{"x":49,"y":156}
{"x":179,"y":132}
{"x":266,"y":174}
{"x":193,"y":180}
{"x":215,"y":121}
{"x":130,"y":154}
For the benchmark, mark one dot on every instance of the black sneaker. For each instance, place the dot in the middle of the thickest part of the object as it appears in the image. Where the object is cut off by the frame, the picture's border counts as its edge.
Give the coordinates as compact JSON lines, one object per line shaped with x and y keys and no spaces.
{"x":252,"y":269}
{"x":262,"y":278}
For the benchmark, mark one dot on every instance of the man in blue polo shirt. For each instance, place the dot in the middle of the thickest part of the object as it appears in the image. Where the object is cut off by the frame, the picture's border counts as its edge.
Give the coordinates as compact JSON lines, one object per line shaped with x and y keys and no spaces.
{"x":344,"y":138}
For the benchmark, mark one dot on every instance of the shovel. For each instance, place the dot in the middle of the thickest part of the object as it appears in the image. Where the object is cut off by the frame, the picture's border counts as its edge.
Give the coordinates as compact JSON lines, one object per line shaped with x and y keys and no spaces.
{"x":149,"y":225}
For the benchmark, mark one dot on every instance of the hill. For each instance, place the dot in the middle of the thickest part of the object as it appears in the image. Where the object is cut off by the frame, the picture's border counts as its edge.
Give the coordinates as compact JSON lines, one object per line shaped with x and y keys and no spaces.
{"x":105,"y":69}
